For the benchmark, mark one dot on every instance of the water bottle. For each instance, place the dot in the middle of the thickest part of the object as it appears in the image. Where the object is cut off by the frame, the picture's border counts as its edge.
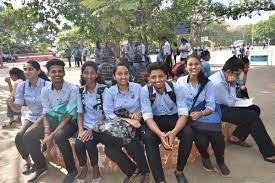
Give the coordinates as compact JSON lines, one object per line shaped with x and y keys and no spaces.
{"x":91,"y":138}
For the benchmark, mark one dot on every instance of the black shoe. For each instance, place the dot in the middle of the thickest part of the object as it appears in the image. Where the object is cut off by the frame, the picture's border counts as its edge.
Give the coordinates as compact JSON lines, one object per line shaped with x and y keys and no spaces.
{"x":27,"y":168}
{"x":37,"y":174}
{"x":224,"y":169}
{"x":181,"y":178}
{"x":207,"y":164}
{"x":70,"y":177}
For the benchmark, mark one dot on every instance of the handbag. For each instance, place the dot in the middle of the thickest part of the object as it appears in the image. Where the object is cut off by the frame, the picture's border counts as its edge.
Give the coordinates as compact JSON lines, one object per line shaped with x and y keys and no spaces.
{"x":115,"y":131}
{"x":203,"y":123}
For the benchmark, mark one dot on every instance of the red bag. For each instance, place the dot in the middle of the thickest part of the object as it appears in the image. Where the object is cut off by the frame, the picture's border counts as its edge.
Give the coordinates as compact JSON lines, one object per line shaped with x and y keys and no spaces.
{"x":175,"y":68}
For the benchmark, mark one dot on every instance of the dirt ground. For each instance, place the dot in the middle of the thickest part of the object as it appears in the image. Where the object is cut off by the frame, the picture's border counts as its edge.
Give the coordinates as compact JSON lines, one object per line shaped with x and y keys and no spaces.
{"x":246,"y":164}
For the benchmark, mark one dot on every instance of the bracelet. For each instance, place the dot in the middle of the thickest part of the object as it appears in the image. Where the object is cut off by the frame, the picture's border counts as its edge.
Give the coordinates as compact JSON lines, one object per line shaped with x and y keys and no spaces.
{"x":202,"y":113}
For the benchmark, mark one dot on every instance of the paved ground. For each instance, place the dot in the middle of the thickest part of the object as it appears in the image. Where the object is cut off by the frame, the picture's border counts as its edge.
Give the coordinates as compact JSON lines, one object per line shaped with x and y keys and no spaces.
{"x":246,"y":165}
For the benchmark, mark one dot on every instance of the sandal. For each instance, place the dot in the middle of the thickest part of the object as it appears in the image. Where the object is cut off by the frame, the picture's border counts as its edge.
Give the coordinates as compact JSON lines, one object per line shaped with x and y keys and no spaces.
{"x":10,"y":124}
{"x":239,"y":143}
{"x":181,"y":178}
{"x":97,"y":180}
{"x":270,"y":160}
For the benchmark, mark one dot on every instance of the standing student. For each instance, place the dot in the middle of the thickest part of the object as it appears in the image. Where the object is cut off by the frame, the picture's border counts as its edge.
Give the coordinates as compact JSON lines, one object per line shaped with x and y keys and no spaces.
{"x":205,"y":57}
{"x":17,"y":76}
{"x":167,"y":54}
{"x":68,"y":54}
{"x":125,"y":96}
{"x":247,"y":119}
{"x":185,"y":49}
{"x":175,"y":51}
{"x":58,"y":95}
{"x":28,"y":92}
{"x":165,"y":112}
{"x":89,"y":113}
{"x":200,"y":97}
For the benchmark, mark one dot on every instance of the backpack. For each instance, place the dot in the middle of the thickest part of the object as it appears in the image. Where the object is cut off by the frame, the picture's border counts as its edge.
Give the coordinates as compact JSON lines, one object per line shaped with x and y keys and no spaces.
{"x":171,"y":94}
{"x":99,"y":97}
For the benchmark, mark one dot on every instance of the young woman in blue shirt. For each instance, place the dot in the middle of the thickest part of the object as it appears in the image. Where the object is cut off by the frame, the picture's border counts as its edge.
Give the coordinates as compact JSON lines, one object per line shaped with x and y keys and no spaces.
{"x":206,"y":112}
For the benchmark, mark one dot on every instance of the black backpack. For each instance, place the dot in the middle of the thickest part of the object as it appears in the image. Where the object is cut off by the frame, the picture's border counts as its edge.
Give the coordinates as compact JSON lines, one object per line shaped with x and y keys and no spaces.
{"x":99,"y":97}
{"x":171,"y":94}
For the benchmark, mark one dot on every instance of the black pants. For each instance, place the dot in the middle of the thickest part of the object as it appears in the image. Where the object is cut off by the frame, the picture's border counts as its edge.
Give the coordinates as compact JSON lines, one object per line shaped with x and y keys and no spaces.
{"x":248,"y":121}
{"x":135,"y":150}
{"x":202,"y":139}
{"x":19,"y":139}
{"x":84,"y":59}
{"x":69,"y":60}
{"x":78,"y":62}
{"x":175,"y":59}
{"x":152,"y":141}
{"x":32,"y":142}
{"x":89,"y":146}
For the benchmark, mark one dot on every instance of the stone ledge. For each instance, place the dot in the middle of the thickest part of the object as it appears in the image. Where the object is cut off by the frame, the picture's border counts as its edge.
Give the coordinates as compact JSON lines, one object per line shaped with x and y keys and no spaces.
{"x":169,"y":158}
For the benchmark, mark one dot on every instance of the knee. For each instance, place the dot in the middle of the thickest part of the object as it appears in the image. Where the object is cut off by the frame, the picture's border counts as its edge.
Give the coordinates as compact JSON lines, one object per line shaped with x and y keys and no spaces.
{"x":149,"y":137}
{"x":186,"y":133}
{"x":59,"y":138}
{"x":19,"y":137}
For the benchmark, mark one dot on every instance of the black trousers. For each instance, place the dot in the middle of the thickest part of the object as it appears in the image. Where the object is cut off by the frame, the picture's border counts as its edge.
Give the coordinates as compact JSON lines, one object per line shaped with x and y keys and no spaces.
{"x":69,"y":60}
{"x":202,"y":139}
{"x":89,"y":146}
{"x":248,"y":121}
{"x":135,"y":150}
{"x":19,"y":139}
{"x":152,"y":141}
{"x":32,"y":142}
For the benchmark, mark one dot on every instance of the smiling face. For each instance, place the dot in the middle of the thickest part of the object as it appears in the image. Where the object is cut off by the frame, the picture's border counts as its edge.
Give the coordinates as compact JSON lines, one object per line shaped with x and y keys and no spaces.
{"x":56,"y":73}
{"x":89,"y":75}
{"x":30,"y":72}
{"x":193,"y":66}
{"x":121,"y":75}
{"x":158,"y":78}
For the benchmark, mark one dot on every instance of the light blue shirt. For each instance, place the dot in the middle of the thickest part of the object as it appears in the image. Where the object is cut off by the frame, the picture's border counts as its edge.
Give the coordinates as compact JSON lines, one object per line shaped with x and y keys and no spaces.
{"x":31,"y":96}
{"x":114,"y":99}
{"x":224,"y":93}
{"x":51,"y":97}
{"x":207,"y":94}
{"x":205,"y":68}
{"x":163,"y":104}
{"x":92,"y":114}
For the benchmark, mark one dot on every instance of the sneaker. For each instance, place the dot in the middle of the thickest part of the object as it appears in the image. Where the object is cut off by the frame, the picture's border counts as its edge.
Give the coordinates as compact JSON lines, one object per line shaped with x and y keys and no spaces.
{"x":181,"y":178}
{"x":224,"y":169}
{"x":70,"y":177}
{"x":37,"y":174}
{"x":207,"y":164}
{"x":130,"y":179}
{"x":27,"y":169}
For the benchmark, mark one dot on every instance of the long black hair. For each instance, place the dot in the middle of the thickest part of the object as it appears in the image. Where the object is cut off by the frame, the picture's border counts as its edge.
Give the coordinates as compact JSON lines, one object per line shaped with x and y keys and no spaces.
{"x":18,"y":73}
{"x":94,"y":66}
{"x":36,"y":65}
{"x":201,"y":77}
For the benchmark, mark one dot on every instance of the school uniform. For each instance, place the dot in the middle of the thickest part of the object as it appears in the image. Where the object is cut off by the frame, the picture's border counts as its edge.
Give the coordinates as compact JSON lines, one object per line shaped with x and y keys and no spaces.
{"x":89,"y":105}
{"x":52,"y":98}
{"x":247,"y":119}
{"x":113,"y":100}
{"x":165,"y":112}
{"x":206,"y":99}
{"x":30,"y":95}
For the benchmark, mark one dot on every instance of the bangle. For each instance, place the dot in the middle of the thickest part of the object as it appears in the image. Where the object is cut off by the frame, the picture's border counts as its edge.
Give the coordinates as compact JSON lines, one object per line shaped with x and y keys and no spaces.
{"x":202,"y":113}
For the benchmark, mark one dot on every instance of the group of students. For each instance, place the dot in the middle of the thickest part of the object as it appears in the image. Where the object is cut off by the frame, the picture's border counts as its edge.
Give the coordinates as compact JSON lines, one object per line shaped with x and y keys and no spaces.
{"x":190,"y":109}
